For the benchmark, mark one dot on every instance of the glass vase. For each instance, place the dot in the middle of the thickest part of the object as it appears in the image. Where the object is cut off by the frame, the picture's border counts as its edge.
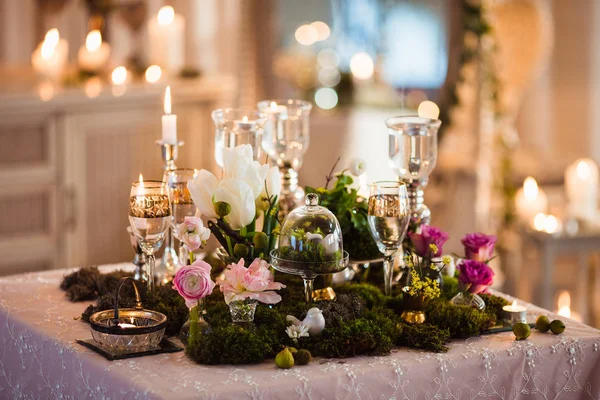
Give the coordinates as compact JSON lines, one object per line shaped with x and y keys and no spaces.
{"x":242,"y":311}
{"x":234,"y":127}
{"x":414,"y":309}
{"x":468,"y":299}
{"x":195,"y":325}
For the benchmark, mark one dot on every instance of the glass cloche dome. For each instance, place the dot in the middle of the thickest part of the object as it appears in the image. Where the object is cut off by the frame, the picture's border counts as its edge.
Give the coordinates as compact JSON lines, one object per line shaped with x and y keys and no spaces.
{"x":310,"y":244}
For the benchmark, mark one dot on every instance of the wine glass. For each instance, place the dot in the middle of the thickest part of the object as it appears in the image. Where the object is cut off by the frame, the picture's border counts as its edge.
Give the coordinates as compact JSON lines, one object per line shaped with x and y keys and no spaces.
{"x":149,"y":218}
{"x":182,"y":204}
{"x":388,"y":217}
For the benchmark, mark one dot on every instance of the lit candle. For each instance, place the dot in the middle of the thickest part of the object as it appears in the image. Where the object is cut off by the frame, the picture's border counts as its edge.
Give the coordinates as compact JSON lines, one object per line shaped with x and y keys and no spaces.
{"x":581,"y":185}
{"x":166,"y":33}
{"x":515,"y":313}
{"x":93,"y":56}
{"x":126,"y":325}
{"x":119,"y":75}
{"x":153,"y":74}
{"x":278,"y":111}
{"x":530,"y":200}
{"x":564,"y":307}
{"x":169,"y":121}
{"x":244,"y":124}
{"x":428,"y":109}
{"x":50,"y":56}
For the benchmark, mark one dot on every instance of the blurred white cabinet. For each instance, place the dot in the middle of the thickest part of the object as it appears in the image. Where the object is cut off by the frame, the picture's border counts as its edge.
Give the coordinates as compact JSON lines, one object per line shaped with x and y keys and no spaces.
{"x":66,"y":167}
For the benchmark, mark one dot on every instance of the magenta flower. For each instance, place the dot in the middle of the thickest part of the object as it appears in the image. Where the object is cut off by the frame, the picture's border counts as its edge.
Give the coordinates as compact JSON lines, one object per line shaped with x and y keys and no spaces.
{"x":476,"y":275}
{"x":255,"y":282}
{"x":428,"y":235}
{"x":193,"y":233}
{"x":193,"y":282}
{"x":478,"y":246}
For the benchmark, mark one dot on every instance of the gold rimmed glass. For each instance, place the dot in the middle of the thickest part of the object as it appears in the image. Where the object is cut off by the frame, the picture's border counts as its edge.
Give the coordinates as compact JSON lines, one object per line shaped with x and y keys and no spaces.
{"x":149,"y":218}
{"x":388,"y":217}
{"x":182,"y":205}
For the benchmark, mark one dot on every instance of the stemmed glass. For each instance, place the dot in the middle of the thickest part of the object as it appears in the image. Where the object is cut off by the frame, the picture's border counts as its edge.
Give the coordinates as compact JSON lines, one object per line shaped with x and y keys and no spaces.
{"x":234,"y":127}
{"x":182,"y":204}
{"x":285,"y":140}
{"x":149,"y":218}
{"x":388,"y":217}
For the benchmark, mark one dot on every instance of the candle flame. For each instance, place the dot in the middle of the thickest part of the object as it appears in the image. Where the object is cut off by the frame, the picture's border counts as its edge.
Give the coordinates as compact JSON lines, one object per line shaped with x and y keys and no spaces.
{"x":93,"y":41}
{"x":47,"y":50}
{"x":168,"y":100}
{"x":273,"y":106}
{"x":166,"y":15}
{"x":530,"y":188}
{"x":119,"y":75}
{"x":583,"y":170}
{"x":141,"y":180}
{"x":514,"y":304}
{"x":153,"y":74}
{"x":551,"y":224}
{"x":564,"y":304}
{"x":52,"y":37}
{"x":428,"y":109}
{"x":245,"y":119}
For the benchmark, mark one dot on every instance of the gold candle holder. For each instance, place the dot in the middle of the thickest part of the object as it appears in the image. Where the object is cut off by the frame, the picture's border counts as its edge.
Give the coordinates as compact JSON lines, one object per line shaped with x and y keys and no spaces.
{"x":169,"y":153}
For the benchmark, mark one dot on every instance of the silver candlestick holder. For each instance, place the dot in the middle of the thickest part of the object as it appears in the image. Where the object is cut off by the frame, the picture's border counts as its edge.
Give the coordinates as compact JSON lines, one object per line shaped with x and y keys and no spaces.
{"x":169,"y":263}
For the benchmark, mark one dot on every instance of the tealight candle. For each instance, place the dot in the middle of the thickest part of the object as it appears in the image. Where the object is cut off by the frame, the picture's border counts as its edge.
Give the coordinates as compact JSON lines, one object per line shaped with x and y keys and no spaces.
{"x":515,"y":313}
{"x":244,"y":124}
{"x":278,"y":111}
{"x":530,"y":200}
{"x":125,"y":325}
{"x":169,"y":121}
{"x":94,"y":54}
{"x":428,"y":109}
{"x":50,"y":56}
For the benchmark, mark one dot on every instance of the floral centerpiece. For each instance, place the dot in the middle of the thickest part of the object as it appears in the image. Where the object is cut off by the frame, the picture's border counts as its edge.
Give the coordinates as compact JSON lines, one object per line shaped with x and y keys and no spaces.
{"x":475,"y":275}
{"x":234,"y":203}
{"x":423,"y":266}
{"x":243,"y":287}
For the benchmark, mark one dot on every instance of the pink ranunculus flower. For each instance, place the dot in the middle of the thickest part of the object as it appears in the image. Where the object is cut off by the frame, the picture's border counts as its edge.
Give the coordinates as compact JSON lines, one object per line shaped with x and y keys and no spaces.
{"x":475,"y":274}
{"x":255,"y":282}
{"x":478,"y":246}
{"x":427,"y":236}
{"x":193,"y":233}
{"x":193,"y":282}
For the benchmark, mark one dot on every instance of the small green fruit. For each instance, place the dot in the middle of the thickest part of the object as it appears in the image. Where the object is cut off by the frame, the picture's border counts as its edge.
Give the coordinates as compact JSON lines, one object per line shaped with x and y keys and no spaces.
{"x":293,"y":350}
{"x":240,"y":250}
{"x":222,"y":209}
{"x":557,"y":326}
{"x":284,"y":359}
{"x":302,"y":357}
{"x":542,"y":323}
{"x":521,"y":330}
{"x":260,"y":240}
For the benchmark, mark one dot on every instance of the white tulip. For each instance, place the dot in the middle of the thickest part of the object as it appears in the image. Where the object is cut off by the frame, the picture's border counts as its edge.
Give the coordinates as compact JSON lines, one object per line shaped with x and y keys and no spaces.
{"x":239,"y":195}
{"x":239,"y":164}
{"x":202,"y":188}
{"x":271,"y":188}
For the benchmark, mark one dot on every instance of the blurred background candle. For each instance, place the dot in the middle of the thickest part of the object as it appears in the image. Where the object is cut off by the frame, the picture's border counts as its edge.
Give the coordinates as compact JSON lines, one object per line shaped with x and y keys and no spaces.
{"x":169,"y":121}
{"x":581,"y":185}
{"x":564,"y":306}
{"x":166,"y":33}
{"x":49,"y":58}
{"x":530,"y":200}
{"x":93,"y":56}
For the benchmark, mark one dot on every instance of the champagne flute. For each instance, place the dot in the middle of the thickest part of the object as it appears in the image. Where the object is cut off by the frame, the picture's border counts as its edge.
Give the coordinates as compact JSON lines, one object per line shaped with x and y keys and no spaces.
{"x":182,"y":204}
{"x":149,"y":218}
{"x":388,"y":218}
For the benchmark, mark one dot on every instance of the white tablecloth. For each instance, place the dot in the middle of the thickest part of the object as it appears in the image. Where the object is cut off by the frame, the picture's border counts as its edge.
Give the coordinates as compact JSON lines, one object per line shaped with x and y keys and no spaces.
{"x":40,"y":359}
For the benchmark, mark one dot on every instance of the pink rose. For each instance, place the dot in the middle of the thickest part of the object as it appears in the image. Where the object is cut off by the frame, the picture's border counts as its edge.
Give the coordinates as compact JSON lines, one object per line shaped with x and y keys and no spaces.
{"x":193,"y":282}
{"x":193,"y":233}
{"x":478,"y":246}
{"x":475,"y":274}
{"x":255,"y":282}
{"x":427,"y":236}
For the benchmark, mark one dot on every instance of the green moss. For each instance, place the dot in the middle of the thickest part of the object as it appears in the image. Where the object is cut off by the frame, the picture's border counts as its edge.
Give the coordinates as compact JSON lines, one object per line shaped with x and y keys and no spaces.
{"x":460,"y":321}
{"x":494,"y":304}
{"x":369,"y":293}
{"x":423,"y":336}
